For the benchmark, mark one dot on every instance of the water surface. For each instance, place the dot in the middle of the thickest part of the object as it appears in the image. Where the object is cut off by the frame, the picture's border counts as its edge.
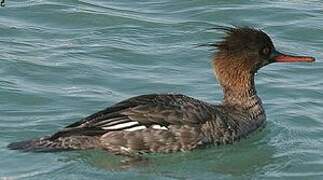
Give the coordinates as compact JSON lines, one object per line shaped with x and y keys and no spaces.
{"x":62,"y":60}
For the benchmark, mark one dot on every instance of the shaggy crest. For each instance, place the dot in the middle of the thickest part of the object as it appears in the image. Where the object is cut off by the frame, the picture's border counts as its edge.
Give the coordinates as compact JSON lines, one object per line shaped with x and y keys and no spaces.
{"x":242,"y":39}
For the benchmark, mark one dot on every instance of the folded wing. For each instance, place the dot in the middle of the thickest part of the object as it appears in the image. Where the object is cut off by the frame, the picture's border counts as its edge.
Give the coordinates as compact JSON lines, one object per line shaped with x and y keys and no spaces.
{"x":149,"y":110}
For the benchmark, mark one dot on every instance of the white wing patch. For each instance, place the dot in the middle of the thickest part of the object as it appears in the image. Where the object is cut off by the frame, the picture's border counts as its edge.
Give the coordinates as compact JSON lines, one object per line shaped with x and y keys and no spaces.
{"x":144,"y":127}
{"x":121,"y":126}
{"x":159,"y":127}
{"x":116,"y":124}
{"x":136,"y":128}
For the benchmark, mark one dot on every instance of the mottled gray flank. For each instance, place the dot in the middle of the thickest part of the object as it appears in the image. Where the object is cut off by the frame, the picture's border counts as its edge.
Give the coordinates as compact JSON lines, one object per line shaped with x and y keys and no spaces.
{"x":190,"y":123}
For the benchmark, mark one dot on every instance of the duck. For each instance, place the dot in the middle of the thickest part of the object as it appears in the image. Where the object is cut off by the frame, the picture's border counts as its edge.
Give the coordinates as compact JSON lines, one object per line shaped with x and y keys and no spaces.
{"x":166,"y":123}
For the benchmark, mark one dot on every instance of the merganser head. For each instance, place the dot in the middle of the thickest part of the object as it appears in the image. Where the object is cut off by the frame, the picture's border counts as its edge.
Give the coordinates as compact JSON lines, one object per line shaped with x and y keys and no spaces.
{"x":254,"y":47}
{"x":241,"y":53}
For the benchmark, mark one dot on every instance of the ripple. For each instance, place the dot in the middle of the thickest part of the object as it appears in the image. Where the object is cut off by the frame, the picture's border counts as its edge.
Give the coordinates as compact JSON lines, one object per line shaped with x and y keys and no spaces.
{"x":61,"y":61}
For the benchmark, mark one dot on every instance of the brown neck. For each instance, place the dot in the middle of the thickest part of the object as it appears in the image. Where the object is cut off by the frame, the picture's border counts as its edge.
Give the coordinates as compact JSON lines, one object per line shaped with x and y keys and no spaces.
{"x":236,"y":78}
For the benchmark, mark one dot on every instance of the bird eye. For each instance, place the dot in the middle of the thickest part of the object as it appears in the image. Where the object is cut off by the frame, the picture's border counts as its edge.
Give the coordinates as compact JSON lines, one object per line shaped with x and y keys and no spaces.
{"x":265,"y":51}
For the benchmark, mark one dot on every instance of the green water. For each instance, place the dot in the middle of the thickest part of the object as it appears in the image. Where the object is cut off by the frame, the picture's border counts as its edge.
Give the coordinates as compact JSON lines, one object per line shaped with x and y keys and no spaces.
{"x":62,"y":60}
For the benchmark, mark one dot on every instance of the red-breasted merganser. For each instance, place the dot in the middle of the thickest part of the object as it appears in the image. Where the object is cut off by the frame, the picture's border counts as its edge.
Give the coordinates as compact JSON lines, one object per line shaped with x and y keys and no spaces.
{"x":166,"y":123}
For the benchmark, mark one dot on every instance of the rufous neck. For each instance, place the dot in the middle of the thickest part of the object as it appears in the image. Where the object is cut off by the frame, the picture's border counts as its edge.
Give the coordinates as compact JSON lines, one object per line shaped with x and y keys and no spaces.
{"x":237,"y":80}
{"x":241,"y":98}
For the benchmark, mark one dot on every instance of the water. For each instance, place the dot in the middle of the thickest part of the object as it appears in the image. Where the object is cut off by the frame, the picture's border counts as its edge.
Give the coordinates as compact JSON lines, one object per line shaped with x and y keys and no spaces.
{"x":62,"y":60}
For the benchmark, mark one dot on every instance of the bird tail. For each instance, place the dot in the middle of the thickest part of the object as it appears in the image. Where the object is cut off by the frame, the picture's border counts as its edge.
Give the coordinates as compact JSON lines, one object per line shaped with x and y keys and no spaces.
{"x":36,"y":145}
{"x":60,"y":141}
{"x":60,"y":144}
